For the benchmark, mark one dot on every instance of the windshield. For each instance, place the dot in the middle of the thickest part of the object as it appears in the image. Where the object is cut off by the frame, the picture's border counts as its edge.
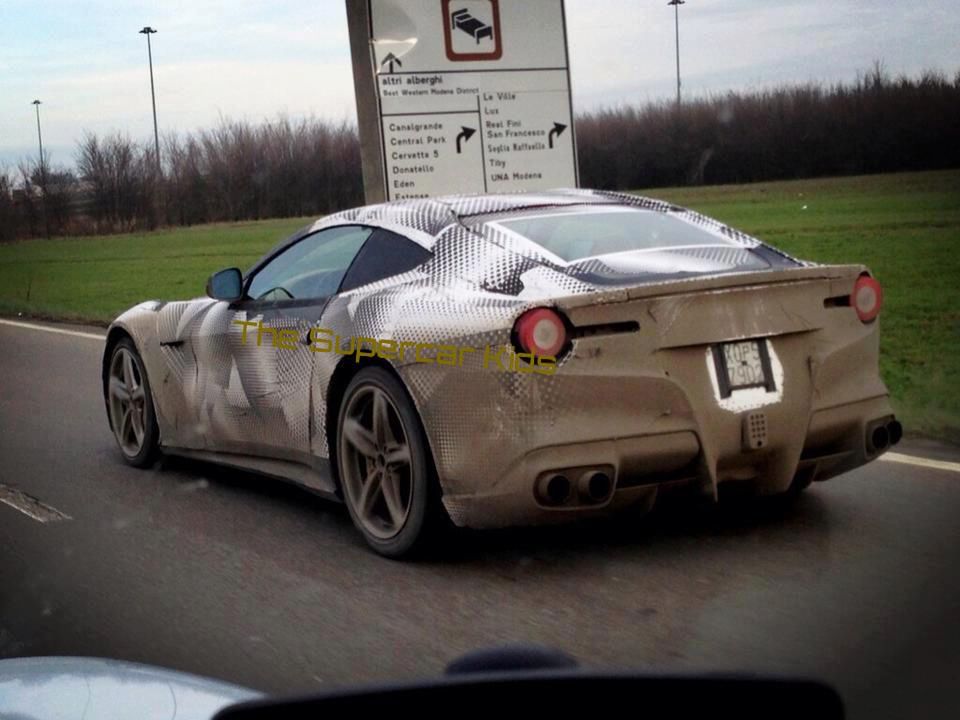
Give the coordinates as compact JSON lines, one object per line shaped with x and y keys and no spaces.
{"x":581,"y":234}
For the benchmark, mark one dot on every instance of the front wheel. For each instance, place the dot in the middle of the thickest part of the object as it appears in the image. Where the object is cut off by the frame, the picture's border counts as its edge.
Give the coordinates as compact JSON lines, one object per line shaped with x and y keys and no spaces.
{"x":130,"y":405}
{"x":386,"y":473}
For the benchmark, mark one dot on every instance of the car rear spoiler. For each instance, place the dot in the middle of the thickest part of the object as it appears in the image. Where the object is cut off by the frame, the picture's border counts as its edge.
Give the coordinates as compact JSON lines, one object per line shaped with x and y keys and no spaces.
{"x":841,"y":278}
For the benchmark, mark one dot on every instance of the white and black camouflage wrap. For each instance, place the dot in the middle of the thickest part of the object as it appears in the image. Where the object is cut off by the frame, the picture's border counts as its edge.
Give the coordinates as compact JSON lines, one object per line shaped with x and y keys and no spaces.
{"x":213,"y":393}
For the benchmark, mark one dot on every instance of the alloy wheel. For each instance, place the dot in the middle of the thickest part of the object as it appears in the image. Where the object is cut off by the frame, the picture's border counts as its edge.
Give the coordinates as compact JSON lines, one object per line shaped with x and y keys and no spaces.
{"x":128,"y":402}
{"x":377,"y":471}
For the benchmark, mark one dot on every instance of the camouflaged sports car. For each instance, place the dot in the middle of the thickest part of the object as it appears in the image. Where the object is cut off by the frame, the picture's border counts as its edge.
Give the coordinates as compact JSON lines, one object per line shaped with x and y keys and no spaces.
{"x":510,"y":359}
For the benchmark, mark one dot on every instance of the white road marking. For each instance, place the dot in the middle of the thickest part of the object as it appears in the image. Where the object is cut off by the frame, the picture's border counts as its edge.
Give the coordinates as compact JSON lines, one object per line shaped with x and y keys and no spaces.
{"x":30,"y":506}
{"x":921,"y":462}
{"x":58,"y":331}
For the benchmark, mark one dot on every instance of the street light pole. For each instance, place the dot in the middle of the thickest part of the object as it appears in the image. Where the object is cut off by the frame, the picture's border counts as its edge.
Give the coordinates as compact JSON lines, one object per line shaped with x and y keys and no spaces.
{"x":148,"y":31}
{"x":43,"y":170}
{"x":676,"y":17}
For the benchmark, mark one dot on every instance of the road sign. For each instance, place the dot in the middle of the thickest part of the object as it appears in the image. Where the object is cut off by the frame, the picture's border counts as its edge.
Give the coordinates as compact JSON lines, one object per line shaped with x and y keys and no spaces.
{"x":462,"y":96}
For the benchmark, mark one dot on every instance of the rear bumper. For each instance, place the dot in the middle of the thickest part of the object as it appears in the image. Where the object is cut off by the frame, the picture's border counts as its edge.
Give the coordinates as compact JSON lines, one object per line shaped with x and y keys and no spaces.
{"x":837,"y":440}
{"x":842,"y":438}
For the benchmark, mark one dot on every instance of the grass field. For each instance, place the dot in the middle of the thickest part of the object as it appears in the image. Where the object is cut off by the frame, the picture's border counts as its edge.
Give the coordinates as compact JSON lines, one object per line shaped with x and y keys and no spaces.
{"x":906,"y":227}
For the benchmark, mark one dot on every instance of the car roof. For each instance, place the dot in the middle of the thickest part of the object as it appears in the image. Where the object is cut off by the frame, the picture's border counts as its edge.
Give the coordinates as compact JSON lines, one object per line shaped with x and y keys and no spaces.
{"x":463,"y":218}
{"x":431,"y":215}
{"x":467,"y":206}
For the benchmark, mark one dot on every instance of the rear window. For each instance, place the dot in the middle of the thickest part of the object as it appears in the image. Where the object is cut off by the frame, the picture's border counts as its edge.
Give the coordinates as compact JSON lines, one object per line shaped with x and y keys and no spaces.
{"x":576,"y":235}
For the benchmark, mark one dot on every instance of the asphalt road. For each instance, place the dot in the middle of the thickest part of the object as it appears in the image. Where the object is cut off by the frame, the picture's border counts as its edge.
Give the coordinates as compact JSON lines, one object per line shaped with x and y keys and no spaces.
{"x":236,"y":577}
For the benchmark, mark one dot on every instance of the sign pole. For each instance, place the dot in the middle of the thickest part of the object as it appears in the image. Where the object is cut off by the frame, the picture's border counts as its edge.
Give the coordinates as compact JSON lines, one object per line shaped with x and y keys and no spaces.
{"x":368,"y":103}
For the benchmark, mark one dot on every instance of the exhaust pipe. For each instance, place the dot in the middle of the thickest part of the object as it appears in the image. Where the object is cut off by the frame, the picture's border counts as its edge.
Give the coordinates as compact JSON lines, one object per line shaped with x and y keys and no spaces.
{"x":894,"y":431}
{"x":554,"y":489}
{"x":595,"y":486}
{"x":879,"y":438}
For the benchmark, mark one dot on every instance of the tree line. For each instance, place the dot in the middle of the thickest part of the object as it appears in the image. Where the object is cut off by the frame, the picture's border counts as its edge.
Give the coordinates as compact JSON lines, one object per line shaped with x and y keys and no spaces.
{"x":235,"y":171}
{"x":244,"y":171}
{"x":874,"y":124}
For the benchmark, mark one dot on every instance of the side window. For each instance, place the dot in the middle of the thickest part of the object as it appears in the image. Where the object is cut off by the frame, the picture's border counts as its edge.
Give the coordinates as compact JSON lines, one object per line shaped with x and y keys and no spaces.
{"x":312,"y":268}
{"x":386,"y":254}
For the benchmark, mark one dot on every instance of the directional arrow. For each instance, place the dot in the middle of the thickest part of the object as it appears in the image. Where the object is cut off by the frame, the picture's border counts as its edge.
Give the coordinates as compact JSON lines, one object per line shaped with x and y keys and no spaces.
{"x":465,"y":134}
{"x":556,"y":132}
{"x":391,"y":59}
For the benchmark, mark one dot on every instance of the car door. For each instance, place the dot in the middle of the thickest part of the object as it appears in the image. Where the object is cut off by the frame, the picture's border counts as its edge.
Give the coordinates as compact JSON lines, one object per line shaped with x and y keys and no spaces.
{"x":384,"y":255}
{"x":254,"y":369}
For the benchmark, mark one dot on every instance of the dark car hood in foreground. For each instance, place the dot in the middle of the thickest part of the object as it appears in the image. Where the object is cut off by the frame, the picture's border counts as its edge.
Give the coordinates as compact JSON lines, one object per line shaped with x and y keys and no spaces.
{"x":70,"y":687}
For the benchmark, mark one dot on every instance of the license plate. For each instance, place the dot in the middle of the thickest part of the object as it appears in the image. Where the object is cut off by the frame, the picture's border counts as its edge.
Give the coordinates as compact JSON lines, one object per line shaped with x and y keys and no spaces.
{"x":743,"y":364}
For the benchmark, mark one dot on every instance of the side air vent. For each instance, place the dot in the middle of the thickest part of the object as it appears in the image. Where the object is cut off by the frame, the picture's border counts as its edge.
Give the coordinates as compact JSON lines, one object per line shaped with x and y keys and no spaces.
{"x":837,"y":301}
{"x":616,"y":328}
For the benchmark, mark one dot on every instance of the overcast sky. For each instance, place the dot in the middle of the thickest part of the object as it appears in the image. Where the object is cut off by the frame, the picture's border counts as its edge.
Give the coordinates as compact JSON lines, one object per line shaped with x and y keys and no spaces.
{"x":257,"y":58}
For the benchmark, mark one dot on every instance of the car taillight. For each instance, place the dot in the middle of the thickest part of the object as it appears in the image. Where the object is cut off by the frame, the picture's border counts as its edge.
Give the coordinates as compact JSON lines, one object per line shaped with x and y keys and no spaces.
{"x":540,"y":331}
{"x":867,"y":298}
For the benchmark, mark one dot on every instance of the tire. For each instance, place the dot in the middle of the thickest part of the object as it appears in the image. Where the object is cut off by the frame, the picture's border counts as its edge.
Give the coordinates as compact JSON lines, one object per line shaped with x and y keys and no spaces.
{"x":137,"y":449}
{"x":386,"y":473}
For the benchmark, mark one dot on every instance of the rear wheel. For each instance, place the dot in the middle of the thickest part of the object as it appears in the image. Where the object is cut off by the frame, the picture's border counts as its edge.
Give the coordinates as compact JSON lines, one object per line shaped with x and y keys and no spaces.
{"x":130,"y":405}
{"x":386,"y":473}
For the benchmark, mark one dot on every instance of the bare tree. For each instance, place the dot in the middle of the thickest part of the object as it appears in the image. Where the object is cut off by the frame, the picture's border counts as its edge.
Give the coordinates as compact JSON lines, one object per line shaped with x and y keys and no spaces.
{"x":9,"y":217}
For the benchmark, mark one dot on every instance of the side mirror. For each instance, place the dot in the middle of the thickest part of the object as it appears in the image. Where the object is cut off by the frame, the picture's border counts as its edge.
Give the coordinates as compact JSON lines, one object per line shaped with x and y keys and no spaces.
{"x":226,"y":285}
